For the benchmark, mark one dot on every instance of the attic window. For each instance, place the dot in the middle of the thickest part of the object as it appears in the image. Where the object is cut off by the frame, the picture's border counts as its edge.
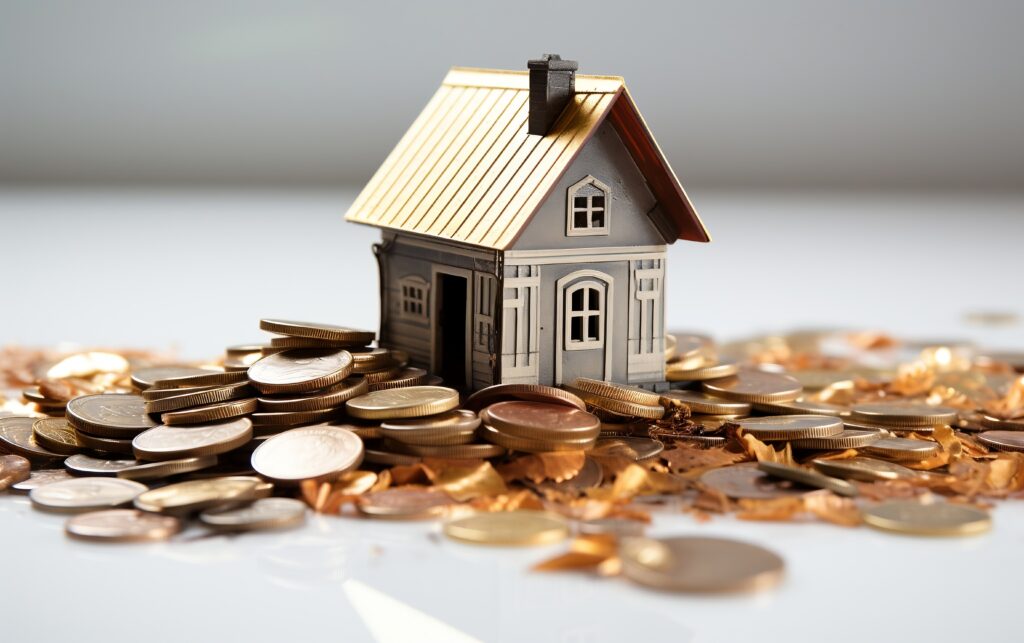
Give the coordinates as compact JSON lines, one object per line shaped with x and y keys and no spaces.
{"x":413,"y":299}
{"x":587,"y":208}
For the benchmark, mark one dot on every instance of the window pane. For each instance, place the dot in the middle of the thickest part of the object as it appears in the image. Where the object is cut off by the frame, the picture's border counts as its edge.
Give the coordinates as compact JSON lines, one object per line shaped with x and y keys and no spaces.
{"x":597,"y":219}
{"x":577,"y":300}
{"x":576,"y":329}
{"x":593,"y":330}
{"x":579,"y":219}
{"x":597,"y":201}
{"x":595,"y":299}
{"x":579,"y":202}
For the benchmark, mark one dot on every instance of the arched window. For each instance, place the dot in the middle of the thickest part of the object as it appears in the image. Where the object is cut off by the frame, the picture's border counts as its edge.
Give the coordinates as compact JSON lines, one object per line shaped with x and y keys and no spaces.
{"x":584,"y":315}
{"x":588,"y":208}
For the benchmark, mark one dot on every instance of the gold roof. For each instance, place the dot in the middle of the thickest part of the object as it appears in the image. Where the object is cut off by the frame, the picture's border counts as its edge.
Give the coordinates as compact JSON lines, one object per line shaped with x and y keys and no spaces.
{"x":468,"y":171}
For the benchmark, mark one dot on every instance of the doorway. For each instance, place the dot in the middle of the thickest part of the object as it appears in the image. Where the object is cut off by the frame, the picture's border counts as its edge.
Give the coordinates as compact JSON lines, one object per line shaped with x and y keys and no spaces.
{"x":451,"y":345}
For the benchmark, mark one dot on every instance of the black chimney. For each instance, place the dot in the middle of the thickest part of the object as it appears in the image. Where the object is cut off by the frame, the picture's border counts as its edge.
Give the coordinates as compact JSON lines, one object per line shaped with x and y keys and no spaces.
{"x":552,"y":85}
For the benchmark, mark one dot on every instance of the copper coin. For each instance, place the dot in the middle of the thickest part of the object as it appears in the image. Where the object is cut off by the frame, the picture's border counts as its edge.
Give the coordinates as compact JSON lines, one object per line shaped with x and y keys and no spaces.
{"x":447,"y":452}
{"x":327,"y":398}
{"x":992,"y":422}
{"x":747,"y":481}
{"x":329,"y":332}
{"x":13,"y":469}
{"x":903,"y":414}
{"x":110,"y":415}
{"x":122,"y":526}
{"x":168,"y":442}
{"x":407,"y":376}
{"x":210,"y":412}
{"x":55,"y":434}
{"x":618,"y":391}
{"x":453,"y":427}
{"x":17,"y":438}
{"x":153,"y":394}
{"x":202,"y":397}
{"x":540,"y":420}
{"x":1003,"y":440}
{"x":308,"y":453}
{"x":195,"y":495}
{"x":533,"y":445}
{"x":699,"y":564}
{"x":808,"y":477}
{"x":300,"y":370}
{"x":404,"y":503}
{"x":105,"y":445}
{"x":755,"y":386}
{"x":306,"y":342}
{"x":529,"y":392}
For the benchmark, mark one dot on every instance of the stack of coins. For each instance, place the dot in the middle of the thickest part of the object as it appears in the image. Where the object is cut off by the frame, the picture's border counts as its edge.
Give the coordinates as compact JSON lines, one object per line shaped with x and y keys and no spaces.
{"x":902,"y":417}
{"x":537,"y":427}
{"x":195,"y":398}
{"x":46,"y":399}
{"x":107,"y":423}
{"x":617,"y":404}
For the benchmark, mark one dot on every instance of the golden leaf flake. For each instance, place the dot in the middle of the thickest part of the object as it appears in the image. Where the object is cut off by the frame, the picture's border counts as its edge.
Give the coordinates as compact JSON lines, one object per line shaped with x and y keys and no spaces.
{"x":464,"y":479}
{"x":513,"y":501}
{"x":765,"y":453}
{"x":538,"y":467}
{"x":820,"y":504}
{"x":635,"y":480}
{"x":687,"y":458}
{"x":587,"y":552}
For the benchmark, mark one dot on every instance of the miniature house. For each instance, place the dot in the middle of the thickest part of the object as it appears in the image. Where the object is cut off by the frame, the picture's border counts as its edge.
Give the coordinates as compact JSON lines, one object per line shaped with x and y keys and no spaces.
{"x":525,"y":217}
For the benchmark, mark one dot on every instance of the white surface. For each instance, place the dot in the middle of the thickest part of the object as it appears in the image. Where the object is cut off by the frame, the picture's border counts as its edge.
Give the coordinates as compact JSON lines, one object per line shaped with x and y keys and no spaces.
{"x":197,"y":270}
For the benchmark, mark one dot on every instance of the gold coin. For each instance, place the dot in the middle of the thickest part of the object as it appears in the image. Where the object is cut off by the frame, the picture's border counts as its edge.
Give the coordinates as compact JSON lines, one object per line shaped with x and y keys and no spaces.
{"x":447,"y":452}
{"x":168,"y":442}
{"x":110,"y":415}
{"x":328,"y":332}
{"x":300,"y":370}
{"x":755,"y":386}
{"x":412,"y":401}
{"x":210,"y":412}
{"x":13,"y":470}
{"x":105,"y":445}
{"x":17,"y":438}
{"x":792,"y":427}
{"x":404,"y":503}
{"x":528,"y":392}
{"x":687,"y":345}
{"x":508,"y":528}
{"x":407,"y":376}
{"x":801,"y":406}
{"x":528,"y":445}
{"x":144,"y":378}
{"x":747,"y":481}
{"x":243,"y":350}
{"x":704,"y":403}
{"x":372,"y":359}
{"x":159,"y":470}
{"x":152,"y":394}
{"x":85,"y":494}
{"x":928,"y":519}
{"x":55,"y":434}
{"x":848,"y":439}
{"x":309,"y":453}
{"x":903,"y":414}
{"x":377,"y":377}
{"x":122,"y":526}
{"x":864,"y":469}
{"x":453,"y":427}
{"x":202,"y":397}
{"x":85,"y":465}
{"x":195,"y":495}
{"x":992,"y":422}
{"x":808,"y":478}
{"x":1002,"y":440}
{"x":209,"y":377}
{"x":618,"y":527}
{"x":901,"y":449}
{"x":618,"y":391}
{"x":618,"y":407}
{"x":676,"y":372}
{"x":321,"y":400}
{"x":264,"y":513}
{"x":699,"y":564}
{"x":306,"y":342}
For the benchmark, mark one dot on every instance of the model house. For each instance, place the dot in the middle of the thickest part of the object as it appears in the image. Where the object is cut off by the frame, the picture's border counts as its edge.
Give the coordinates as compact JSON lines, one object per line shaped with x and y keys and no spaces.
{"x":525,"y":217}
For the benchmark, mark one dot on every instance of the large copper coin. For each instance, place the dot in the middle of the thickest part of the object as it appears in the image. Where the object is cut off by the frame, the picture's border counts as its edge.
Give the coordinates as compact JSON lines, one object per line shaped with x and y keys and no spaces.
{"x":747,"y":481}
{"x":903,"y":414}
{"x":1003,"y":440}
{"x":309,"y":453}
{"x":328,"y":332}
{"x":529,"y":392}
{"x":755,"y":386}
{"x":195,"y":495}
{"x":13,"y":469}
{"x":698,"y":564}
{"x":17,"y":438}
{"x":792,"y":427}
{"x":122,"y":526}
{"x":167,"y":442}
{"x":532,"y":445}
{"x":85,"y":494}
{"x":299,"y":370}
{"x":542,"y":421}
{"x":110,"y":415}
{"x":412,"y":401}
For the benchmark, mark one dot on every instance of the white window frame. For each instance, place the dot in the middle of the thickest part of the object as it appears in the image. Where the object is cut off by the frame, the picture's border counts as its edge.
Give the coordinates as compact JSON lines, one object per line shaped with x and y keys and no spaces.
{"x":587,"y":343}
{"x":589,"y":183}
{"x":414,"y":298}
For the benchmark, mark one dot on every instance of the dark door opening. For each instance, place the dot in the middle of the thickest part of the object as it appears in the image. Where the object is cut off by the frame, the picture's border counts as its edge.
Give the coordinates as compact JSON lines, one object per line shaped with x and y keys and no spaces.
{"x":452,"y":308}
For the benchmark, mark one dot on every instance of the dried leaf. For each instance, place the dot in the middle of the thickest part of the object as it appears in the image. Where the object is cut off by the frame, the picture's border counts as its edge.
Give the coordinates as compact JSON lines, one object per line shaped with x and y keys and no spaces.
{"x":464,"y":479}
{"x":774,"y":509}
{"x":765,"y":453}
{"x":832,"y":508}
{"x":407,"y":474}
{"x":585,"y":552}
{"x":557,"y":466}
{"x":692,"y":459}
{"x":522,"y":499}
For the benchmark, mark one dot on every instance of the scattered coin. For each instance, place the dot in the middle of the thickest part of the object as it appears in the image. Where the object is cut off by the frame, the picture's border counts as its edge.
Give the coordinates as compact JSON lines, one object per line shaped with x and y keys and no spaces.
{"x":404,"y":503}
{"x":755,"y":386}
{"x":328,"y":398}
{"x":901,"y":449}
{"x":264,"y":513}
{"x":17,"y":438}
{"x":85,"y":494}
{"x":453,"y":427}
{"x":85,"y":465}
{"x":412,"y":401}
{"x":682,"y":372}
{"x":165,"y":469}
{"x":210,"y":412}
{"x":201,"y":397}
{"x":928,"y":519}
{"x":13,"y":469}
{"x":320,"y":452}
{"x":508,"y":528}
{"x":848,"y":439}
{"x":1002,"y":440}
{"x":40,"y":478}
{"x":300,"y":370}
{"x":698,"y":564}
{"x":863,"y":469}
{"x":209,"y":377}
{"x":328,"y":332}
{"x":55,"y":434}
{"x":639,"y":449}
{"x":808,"y":477}
{"x":618,"y":527}
{"x":792,"y":427}
{"x":168,"y":442}
{"x":528,"y":392}
{"x":144,"y":378}
{"x":903,"y":414}
{"x":196,"y":495}
{"x":710,"y":405}
{"x":118,"y":415}
{"x":747,"y":481}
{"x":122,"y":526}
